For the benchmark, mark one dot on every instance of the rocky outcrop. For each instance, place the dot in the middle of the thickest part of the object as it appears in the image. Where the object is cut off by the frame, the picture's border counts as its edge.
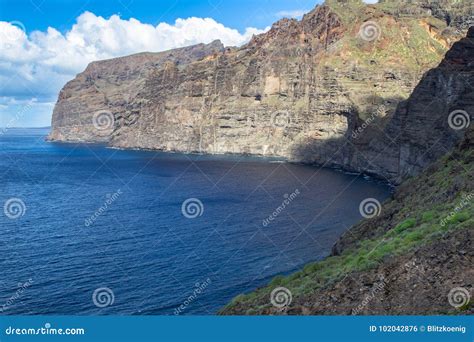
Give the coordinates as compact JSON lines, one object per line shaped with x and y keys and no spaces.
{"x":300,"y":91}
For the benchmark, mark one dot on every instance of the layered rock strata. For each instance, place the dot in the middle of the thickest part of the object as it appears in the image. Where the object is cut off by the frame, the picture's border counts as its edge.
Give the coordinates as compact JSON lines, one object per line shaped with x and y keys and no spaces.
{"x":321,"y":90}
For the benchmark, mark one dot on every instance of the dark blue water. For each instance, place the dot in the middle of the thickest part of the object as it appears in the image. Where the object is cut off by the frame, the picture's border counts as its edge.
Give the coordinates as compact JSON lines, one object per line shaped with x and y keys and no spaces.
{"x":141,"y":246}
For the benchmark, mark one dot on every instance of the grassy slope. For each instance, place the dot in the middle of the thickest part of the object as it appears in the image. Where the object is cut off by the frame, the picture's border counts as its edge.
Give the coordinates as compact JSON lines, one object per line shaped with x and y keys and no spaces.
{"x":424,"y":209}
{"x":401,"y":40}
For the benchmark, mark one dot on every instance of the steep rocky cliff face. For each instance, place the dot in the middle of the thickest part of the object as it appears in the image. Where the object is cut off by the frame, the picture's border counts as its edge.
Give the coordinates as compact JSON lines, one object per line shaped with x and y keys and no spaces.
{"x":424,"y":127}
{"x":302,"y":91}
{"x":108,"y":90}
{"x":457,"y":14}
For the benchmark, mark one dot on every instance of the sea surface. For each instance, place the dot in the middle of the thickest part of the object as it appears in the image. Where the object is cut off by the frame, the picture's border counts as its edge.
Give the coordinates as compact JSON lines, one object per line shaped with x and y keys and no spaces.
{"x":87,"y":230}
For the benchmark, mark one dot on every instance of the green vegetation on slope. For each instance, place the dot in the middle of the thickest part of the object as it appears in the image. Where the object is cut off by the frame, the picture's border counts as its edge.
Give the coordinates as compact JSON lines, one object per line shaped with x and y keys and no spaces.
{"x":438,"y":202}
{"x":413,"y":41}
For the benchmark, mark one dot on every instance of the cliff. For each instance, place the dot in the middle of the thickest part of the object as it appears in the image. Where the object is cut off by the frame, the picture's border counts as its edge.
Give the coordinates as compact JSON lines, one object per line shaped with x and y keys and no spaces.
{"x":415,"y":253}
{"x":103,"y":99}
{"x":324,"y":89}
{"x":457,"y":14}
{"x":423,"y":128}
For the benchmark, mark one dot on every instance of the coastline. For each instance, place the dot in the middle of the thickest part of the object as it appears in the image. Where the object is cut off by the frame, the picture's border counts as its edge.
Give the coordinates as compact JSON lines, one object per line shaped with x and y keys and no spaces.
{"x":369,"y":176}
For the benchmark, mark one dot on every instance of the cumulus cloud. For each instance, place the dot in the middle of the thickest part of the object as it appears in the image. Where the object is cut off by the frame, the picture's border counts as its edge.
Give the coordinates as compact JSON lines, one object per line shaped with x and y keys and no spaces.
{"x":39,"y":64}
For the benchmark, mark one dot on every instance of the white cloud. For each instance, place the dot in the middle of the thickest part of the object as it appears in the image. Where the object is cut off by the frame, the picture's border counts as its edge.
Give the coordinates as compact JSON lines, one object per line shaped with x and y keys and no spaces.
{"x":39,"y":64}
{"x":292,"y":14}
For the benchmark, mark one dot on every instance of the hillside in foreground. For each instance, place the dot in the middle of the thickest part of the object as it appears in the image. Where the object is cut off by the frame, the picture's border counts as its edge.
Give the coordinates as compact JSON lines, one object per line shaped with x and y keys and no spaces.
{"x":405,"y":261}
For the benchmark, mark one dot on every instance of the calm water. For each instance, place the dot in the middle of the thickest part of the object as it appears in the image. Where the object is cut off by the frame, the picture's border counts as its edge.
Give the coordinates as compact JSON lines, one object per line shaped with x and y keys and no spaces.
{"x":98,"y":217}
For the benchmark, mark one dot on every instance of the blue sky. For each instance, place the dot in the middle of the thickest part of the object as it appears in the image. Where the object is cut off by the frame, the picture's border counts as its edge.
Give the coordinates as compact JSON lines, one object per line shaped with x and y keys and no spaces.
{"x":238,"y":14}
{"x":45,"y":43}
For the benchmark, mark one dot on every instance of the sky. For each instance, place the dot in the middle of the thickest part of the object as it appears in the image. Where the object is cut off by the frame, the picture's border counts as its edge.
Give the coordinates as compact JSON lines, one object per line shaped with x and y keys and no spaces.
{"x":45,"y":43}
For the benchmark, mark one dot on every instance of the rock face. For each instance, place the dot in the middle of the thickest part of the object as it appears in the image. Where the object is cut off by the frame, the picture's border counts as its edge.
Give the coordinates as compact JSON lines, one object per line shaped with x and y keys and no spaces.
{"x":458,"y":14}
{"x":425,"y":127}
{"x":305,"y":91}
{"x":112,"y":86}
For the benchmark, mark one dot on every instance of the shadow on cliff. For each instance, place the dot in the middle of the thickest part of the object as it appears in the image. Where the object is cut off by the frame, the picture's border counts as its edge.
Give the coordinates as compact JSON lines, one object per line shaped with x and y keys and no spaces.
{"x":366,"y":147}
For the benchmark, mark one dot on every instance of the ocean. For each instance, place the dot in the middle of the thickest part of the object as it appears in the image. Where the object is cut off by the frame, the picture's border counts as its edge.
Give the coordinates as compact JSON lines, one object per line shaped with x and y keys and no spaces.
{"x":89,"y":230}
